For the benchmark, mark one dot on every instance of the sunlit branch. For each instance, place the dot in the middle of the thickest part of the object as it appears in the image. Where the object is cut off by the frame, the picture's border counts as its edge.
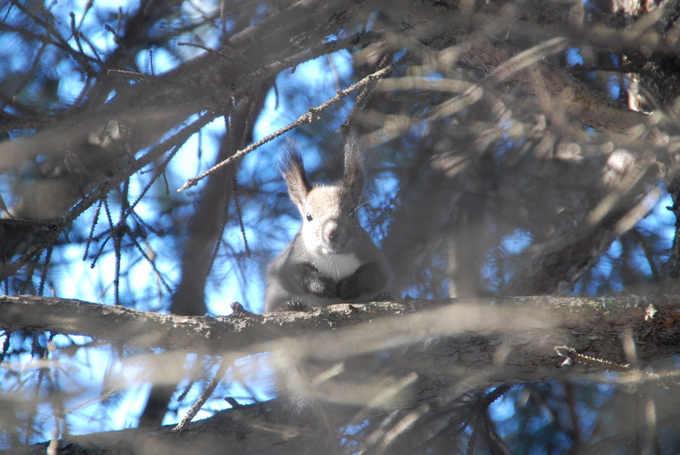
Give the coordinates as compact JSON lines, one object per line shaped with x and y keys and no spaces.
{"x":310,"y":116}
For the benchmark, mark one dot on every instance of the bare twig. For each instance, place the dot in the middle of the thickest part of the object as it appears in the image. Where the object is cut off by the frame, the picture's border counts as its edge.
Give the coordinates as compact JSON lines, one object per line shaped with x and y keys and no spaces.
{"x":203,"y":398}
{"x":308,"y":117}
{"x":220,"y":53}
{"x":571,"y":356}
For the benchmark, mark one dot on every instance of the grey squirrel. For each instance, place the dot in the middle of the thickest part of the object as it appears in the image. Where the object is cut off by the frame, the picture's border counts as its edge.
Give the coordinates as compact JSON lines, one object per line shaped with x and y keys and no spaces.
{"x":332,"y":259}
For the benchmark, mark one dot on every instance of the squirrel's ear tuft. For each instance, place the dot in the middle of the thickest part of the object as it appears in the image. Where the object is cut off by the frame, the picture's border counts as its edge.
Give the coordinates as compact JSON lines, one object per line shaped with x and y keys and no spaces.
{"x":355,"y":173}
{"x":293,"y":170}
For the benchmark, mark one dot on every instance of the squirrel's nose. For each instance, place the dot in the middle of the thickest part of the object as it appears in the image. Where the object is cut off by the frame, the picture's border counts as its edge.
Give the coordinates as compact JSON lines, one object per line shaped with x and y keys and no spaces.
{"x":332,"y":231}
{"x":333,"y":234}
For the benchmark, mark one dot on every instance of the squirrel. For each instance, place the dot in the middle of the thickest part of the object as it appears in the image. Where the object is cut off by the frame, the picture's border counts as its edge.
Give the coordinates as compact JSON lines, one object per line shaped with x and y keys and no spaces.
{"x":332,"y":259}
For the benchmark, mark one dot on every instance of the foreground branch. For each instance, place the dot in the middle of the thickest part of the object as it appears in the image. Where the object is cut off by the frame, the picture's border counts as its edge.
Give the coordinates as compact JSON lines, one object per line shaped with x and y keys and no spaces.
{"x":427,"y":349}
{"x":578,"y":320}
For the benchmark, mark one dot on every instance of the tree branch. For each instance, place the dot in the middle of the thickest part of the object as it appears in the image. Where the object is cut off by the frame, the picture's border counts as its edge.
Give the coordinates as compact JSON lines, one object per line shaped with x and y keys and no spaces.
{"x":595,"y":323}
{"x":480,"y":343}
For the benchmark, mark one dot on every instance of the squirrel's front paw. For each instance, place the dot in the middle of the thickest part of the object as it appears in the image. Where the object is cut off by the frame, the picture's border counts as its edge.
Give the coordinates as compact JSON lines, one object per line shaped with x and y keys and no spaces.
{"x":348,"y":288}
{"x":322,"y":285}
{"x":295,"y":305}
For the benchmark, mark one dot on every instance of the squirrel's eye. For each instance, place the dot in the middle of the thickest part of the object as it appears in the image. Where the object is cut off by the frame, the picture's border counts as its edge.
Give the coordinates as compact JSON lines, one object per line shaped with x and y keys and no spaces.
{"x":309,"y":217}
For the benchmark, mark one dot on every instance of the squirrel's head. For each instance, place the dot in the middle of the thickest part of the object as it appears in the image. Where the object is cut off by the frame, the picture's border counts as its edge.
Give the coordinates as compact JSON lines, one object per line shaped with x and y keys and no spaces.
{"x":329,"y":212}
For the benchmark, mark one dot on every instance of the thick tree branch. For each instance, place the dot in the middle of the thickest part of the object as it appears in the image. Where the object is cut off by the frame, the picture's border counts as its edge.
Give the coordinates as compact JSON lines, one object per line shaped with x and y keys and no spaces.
{"x":578,"y":322}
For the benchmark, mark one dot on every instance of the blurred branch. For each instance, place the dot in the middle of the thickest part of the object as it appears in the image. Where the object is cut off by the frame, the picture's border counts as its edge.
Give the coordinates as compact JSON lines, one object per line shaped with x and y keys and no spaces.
{"x":481,"y":343}
{"x":556,"y":265}
{"x":262,"y":428}
{"x":547,"y":321}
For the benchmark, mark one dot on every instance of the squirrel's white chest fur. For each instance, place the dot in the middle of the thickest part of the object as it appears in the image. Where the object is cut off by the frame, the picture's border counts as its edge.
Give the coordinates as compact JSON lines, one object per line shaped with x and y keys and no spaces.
{"x":337,"y":266}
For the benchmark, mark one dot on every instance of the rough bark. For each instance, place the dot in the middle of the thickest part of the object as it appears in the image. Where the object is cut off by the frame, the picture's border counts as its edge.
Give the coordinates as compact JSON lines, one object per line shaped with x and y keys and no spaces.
{"x":593,"y":322}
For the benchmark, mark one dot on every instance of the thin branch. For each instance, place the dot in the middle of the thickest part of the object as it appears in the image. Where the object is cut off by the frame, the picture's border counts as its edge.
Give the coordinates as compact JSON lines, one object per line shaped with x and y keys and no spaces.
{"x":203,"y":398}
{"x":207,"y":49}
{"x":310,"y":116}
